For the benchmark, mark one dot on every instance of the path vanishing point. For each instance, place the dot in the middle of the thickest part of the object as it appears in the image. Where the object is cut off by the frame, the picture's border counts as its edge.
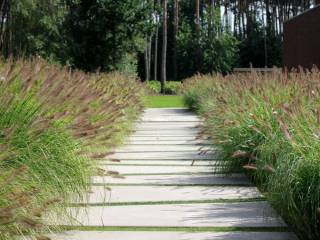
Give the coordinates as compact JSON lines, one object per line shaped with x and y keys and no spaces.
{"x":169,"y":191}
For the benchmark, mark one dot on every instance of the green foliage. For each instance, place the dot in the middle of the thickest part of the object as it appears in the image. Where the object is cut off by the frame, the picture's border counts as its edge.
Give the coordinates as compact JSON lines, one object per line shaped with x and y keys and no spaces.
{"x":54,"y":124}
{"x":219,"y":54}
{"x":90,"y":35}
{"x":109,"y":35}
{"x":102,"y":33}
{"x":269,"y":125}
{"x":252,"y":48}
{"x":208,"y":52}
{"x":128,"y":64}
{"x":171,"y":87}
{"x":35,"y":29}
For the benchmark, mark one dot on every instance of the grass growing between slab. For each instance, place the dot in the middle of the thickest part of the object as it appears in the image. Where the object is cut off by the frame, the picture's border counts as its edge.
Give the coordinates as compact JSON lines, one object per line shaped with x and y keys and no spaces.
{"x":269,"y":125}
{"x":176,"y":229}
{"x":164,"y":101}
{"x":213,"y":201}
{"x":172,"y":185}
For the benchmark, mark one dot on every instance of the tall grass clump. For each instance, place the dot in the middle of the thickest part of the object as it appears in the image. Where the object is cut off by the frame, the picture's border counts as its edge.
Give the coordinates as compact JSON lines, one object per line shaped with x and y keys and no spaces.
{"x":54,"y":123}
{"x":268,"y":125}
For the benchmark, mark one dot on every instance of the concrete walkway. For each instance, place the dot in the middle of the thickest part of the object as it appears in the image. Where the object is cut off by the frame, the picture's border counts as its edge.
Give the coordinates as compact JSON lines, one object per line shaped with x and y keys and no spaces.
{"x":170,"y":189}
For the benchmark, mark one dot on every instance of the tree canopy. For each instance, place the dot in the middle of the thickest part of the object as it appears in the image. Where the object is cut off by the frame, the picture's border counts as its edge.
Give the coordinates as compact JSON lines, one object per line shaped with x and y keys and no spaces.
{"x":202,"y":35}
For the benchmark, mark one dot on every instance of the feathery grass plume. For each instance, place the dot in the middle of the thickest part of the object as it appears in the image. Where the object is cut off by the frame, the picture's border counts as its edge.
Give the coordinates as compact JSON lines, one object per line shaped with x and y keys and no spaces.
{"x":54,"y":124}
{"x":275,"y":135}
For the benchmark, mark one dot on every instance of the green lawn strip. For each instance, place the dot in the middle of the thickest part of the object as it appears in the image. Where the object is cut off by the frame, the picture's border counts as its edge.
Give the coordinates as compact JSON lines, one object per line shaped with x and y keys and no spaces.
{"x":159,"y":121}
{"x":213,"y":201}
{"x":161,"y":159}
{"x":166,"y":143}
{"x":175,"y":229}
{"x":155,"y":151}
{"x":161,"y":165}
{"x":164,"y":101}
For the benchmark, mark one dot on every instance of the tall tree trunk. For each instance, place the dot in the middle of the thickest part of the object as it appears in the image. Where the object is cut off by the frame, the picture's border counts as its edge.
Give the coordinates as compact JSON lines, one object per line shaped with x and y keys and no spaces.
{"x":146,"y":62}
{"x":4,"y":16}
{"x":164,"y":46}
{"x":211,"y":20}
{"x":175,"y":32}
{"x":197,"y":17}
{"x":6,"y":31}
{"x":226,"y":15}
{"x":155,"y":65}
{"x":149,"y":56}
{"x":267,"y":31}
{"x":268,"y":20}
{"x":198,"y":52}
{"x":156,"y":43}
{"x":147,"y":52}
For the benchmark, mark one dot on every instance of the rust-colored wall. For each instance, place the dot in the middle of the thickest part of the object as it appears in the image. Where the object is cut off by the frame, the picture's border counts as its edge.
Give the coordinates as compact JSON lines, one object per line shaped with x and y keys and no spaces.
{"x":302,"y":40}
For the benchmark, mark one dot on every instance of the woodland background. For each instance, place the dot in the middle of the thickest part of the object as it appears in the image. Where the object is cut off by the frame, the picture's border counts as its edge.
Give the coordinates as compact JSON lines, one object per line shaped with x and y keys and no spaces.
{"x":157,"y":39}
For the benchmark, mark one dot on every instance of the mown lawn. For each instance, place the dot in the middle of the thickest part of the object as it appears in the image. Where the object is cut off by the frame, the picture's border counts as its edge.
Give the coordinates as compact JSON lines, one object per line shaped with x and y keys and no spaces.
{"x":164,"y":101}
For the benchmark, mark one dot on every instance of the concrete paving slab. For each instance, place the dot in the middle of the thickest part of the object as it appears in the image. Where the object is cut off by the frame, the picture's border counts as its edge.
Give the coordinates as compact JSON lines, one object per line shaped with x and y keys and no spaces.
{"x":163,"y":138}
{"x":163,"y":155}
{"x":165,"y":115}
{"x":169,"y":131}
{"x":159,"y":169}
{"x":154,"y":114}
{"x":136,"y":141}
{"x":251,"y":214}
{"x":168,"y":126}
{"x":137,"y":235}
{"x":163,"y":148}
{"x":183,"y":132}
{"x":160,"y":127}
{"x":169,"y":118}
{"x":187,"y":179}
{"x":139,"y":121}
{"x":163,"y":162}
{"x":149,"y":114}
{"x":120,"y":194}
{"x":192,"y":123}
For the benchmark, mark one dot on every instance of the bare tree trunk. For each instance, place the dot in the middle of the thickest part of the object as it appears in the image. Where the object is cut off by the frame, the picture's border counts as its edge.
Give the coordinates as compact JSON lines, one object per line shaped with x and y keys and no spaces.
{"x":226,"y":15}
{"x":198,"y":17}
{"x":164,"y":46}
{"x":155,"y":67}
{"x":9,"y":21}
{"x":175,"y":32}
{"x":267,"y":32}
{"x":156,"y":43}
{"x":147,"y":53}
{"x":198,"y":51}
{"x":147,"y":59}
{"x":211,"y":19}
{"x":149,"y":56}
{"x":5,"y":31}
{"x":146,"y":63}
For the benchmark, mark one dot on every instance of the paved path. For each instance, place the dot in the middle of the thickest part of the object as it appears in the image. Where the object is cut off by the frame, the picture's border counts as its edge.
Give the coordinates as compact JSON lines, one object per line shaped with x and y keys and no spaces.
{"x":170,"y":189}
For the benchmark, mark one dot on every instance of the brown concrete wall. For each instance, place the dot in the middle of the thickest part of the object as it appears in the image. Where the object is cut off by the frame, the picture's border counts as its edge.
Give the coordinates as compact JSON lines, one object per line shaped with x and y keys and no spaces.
{"x":301,"y":44}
